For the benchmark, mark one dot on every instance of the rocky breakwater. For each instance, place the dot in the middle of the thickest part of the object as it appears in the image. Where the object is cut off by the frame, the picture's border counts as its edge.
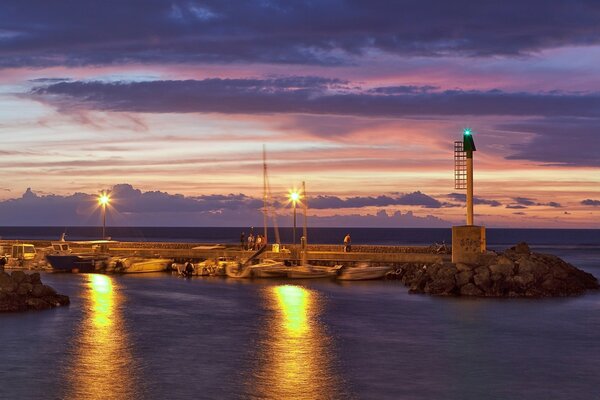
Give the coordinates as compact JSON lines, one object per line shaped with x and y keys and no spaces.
{"x":21,"y":292}
{"x":517,"y":272}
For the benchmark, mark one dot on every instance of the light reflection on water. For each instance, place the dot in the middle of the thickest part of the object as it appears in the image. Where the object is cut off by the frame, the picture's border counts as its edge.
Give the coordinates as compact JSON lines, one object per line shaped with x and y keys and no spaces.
{"x":295,"y":355}
{"x":102,"y":366}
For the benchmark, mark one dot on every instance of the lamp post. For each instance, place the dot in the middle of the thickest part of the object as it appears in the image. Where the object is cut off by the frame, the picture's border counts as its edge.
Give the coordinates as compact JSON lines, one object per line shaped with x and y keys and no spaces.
{"x":294,"y":197}
{"x":103,"y":200}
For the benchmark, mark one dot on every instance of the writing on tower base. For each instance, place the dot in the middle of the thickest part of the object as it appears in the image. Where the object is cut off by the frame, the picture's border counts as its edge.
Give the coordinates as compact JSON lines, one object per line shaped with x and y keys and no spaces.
{"x":468,"y":243}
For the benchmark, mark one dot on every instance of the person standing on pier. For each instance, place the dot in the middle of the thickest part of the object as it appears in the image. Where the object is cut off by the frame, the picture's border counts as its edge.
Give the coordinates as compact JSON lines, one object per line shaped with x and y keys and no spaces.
{"x":243,"y":240}
{"x":347,"y":243}
{"x":258,"y":242}
{"x":250,"y":241}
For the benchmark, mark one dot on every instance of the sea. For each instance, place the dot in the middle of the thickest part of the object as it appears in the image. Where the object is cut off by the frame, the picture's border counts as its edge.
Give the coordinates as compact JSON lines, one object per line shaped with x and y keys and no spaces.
{"x":158,"y":336}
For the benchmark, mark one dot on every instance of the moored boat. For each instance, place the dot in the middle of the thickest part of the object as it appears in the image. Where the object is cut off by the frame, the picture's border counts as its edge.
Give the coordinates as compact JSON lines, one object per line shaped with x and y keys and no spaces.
{"x":362,"y":272}
{"x":308,"y":271}
{"x":78,"y":262}
{"x":135,"y":265}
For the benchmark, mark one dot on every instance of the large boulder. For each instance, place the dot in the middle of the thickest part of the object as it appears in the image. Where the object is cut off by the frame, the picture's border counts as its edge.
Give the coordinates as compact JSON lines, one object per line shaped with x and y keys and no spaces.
{"x":22,"y":292}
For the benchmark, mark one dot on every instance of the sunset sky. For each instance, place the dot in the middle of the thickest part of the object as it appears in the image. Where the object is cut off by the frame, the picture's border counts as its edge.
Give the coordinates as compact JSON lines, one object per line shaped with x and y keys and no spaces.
{"x":169,"y":104}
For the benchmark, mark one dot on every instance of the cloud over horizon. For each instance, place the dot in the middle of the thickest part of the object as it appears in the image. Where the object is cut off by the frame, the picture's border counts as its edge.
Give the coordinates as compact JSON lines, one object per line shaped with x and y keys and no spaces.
{"x":133,"y":207}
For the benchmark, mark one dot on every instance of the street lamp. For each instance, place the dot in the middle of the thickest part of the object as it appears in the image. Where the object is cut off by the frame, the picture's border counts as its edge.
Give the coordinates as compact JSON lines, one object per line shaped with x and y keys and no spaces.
{"x":103,"y":200}
{"x":294,"y":197}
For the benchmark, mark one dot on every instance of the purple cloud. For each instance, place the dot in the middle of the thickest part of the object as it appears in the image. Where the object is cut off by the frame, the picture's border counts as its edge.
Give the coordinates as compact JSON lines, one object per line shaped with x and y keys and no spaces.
{"x":409,"y":199}
{"x":307,"y":95}
{"x":476,"y":200}
{"x":590,"y":202}
{"x":42,"y":33}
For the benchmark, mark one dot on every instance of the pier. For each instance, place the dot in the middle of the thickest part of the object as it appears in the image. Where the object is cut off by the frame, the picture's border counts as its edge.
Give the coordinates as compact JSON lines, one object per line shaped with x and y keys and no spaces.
{"x":323,"y":253}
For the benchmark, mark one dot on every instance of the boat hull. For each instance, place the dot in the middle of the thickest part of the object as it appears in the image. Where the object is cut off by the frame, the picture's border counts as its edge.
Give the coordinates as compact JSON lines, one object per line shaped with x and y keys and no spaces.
{"x":362,"y":273}
{"x":78,"y":262}
{"x":312,"y":272}
{"x":141,"y":265}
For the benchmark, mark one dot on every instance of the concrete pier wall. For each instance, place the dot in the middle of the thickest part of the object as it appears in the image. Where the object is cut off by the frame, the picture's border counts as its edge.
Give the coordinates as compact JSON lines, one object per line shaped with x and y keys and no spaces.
{"x":318,"y":252}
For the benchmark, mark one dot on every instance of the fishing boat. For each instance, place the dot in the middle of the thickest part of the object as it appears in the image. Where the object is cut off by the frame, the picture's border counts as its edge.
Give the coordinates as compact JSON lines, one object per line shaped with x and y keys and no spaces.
{"x":362,"y":272}
{"x":63,"y":259}
{"x":78,"y":262}
{"x":136,"y":265}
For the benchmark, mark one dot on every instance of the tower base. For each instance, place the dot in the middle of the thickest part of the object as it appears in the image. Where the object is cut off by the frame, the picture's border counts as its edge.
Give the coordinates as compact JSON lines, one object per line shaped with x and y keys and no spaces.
{"x":468,"y":243}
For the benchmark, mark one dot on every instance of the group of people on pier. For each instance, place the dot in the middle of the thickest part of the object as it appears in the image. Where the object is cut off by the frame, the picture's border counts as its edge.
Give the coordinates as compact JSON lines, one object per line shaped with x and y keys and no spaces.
{"x":252,"y":242}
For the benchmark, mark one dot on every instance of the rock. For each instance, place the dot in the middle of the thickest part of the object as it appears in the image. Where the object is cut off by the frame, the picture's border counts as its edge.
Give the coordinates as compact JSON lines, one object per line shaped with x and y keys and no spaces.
{"x":522,"y":248}
{"x":37,"y":304}
{"x":442,"y":287}
{"x":470,"y":290}
{"x":18,"y":276}
{"x":7,"y":284}
{"x":35,"y":278}
{"x":503,"y":260}
{"x":464,"y":267}
{"x":24,"y":288}
{"x":464,"y":277}
{"x":525,"y":279}
{"x":515,"y":273}
{"x":18,"y":293}
{"x":502,"y":269}
{"x":37,"y":290}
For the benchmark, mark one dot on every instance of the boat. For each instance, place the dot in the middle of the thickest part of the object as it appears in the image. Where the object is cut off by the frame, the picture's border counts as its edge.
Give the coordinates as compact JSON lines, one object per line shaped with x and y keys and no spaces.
{"x":362,"y":272}
{"x":82,"y":262}
{"x":268,"y":268}
{"x":308,"y":271}
{"x":134,"y":265}
{"x":214,"y":267}
{"x":63,"y":259}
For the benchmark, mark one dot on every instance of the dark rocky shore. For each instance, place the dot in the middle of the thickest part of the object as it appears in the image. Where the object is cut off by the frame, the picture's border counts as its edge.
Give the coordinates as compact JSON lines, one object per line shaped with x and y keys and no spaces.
{"x":517,"y":272}
{"x":21,"y":292}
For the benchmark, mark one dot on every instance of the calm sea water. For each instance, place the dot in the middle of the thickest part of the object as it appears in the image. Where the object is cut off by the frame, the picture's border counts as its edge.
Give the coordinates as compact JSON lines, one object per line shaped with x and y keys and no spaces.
{"x":157,"y":336}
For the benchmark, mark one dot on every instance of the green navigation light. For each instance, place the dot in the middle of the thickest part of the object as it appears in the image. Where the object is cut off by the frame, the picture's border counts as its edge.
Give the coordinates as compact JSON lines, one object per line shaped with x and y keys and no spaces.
{"x":467,"y":131}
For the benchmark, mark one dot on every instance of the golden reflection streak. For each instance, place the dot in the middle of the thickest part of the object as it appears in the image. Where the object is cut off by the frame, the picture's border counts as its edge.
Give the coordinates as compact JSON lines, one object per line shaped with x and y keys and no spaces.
{"x":295,"y":354}
{"x":102,"y":364}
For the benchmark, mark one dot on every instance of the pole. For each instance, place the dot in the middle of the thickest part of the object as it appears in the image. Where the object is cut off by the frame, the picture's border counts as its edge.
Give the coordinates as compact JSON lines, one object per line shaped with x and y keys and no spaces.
{"x":103,"y":221}
{"x":470,"y":189}
{"x":294,"y":222}
{"x":265,"y":202}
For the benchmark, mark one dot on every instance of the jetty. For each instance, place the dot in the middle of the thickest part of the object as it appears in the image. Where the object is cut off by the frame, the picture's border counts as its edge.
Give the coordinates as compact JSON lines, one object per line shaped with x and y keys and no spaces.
{"x":322,"y":253}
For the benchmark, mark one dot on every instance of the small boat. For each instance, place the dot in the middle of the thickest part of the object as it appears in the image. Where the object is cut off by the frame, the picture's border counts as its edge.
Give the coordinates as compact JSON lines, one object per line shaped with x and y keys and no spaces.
{"x":238,"y":271}
{"x":214,"y":267}
{"x":308,"y":271}
{"x":134,"y":265}
{"x":362,"y":272}
{"x":269,"y":269}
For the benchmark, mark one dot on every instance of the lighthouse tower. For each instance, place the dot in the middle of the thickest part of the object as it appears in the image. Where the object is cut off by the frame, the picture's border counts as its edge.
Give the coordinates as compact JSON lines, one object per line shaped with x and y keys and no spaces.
{"x":468,"y":241}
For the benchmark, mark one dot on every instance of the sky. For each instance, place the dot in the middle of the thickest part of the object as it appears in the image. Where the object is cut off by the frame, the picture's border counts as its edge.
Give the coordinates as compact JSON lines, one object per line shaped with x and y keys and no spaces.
{"x":168,"y":104}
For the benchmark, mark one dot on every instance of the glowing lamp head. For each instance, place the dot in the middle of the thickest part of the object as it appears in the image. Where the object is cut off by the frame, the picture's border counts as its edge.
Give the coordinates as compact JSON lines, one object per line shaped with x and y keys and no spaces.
{"x":103,"y":199}
{"x":294,"y":196}
{"x":467,"y":132}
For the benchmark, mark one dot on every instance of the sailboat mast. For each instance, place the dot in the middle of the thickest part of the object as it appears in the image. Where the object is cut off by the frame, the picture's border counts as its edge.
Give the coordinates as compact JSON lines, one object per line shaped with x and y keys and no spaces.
{"x":304,"y":230}
{"x":265,"y":202}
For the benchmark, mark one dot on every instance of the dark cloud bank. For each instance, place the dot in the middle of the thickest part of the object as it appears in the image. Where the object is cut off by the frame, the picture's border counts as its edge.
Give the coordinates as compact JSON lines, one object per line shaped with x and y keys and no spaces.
{"x":133,"y":207}
{"x":311,"y":95}
{"x":86,"y":32}
{"x":563,"y":127}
